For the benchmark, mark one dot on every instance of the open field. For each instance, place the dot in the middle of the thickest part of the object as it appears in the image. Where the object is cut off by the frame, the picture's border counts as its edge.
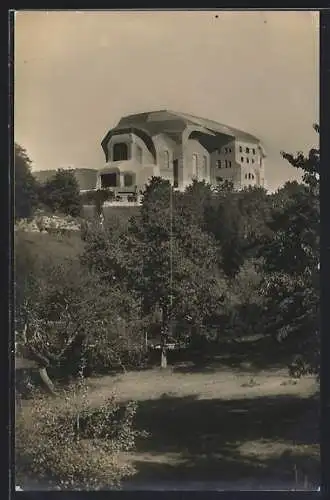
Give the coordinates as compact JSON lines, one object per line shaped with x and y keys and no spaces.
{"x":227,"y":426}
{"x":221,"y":428}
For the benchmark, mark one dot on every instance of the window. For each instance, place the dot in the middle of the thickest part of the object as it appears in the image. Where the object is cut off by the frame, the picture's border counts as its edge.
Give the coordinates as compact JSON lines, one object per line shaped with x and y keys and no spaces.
{"x":229,"y":150}
{"x":108,"y":180}
{"x":240,"y":149}
{"x":194,"y":165}
{"x":246,"y":176}
{"x":252,"y":176}
{"x":166,"y":159}
{"x":242,"y":159}
{"x":128,"y":180}
{"x":226,"y":164}
{"x":138,"y":154}
{"x":176,"y":173}
{"x":252,"y":160}
{"x":218,"y":163}
{"x":229,"y":164}
{"x":120,"y":152}
{"x":205,"y":166}
{"x":253,"y":151}
{"x":247,"y":160}
{"x":249,"y":176}
{"x":247,"y":150}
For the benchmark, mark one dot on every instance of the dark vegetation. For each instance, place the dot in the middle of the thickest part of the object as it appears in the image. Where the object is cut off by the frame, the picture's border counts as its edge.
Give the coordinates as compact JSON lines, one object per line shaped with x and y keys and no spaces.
{"x":205,"y":268}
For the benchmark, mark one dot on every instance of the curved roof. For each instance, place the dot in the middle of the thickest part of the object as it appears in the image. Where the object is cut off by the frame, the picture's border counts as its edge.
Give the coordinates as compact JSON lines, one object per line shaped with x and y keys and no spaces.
{"x":173,"y":123}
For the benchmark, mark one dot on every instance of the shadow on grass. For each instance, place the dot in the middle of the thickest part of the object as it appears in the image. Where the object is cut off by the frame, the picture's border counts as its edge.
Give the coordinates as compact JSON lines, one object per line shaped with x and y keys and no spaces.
{"x":256,"y":355}
{"x":227,"y":440}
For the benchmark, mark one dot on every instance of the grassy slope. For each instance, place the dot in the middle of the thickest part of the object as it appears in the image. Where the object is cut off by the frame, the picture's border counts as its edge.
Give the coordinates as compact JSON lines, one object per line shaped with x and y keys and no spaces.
{"x":57,"y":247}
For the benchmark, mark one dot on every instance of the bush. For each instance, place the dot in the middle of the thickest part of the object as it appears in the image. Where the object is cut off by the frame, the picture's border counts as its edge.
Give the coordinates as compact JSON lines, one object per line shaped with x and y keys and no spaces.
{"x":61,"y":193}
{"x":68,"y":443}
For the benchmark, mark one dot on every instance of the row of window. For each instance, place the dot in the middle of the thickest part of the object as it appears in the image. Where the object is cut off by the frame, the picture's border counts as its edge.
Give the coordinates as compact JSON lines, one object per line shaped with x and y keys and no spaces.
{"x":226,"y":164}
{"x":247,"y":150}
{"x":249,"y":176}
{"x":112,"y":180}
{"x":229,"y":150}
{"x":247,"y":160}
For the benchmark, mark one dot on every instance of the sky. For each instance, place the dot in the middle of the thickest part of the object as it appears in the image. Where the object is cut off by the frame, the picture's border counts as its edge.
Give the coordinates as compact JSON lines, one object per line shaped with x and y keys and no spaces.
{"x":78,"y":73}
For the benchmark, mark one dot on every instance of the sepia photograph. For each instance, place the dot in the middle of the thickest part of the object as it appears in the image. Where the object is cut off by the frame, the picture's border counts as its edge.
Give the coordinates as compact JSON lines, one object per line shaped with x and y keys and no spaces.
{"x":166,"y":250}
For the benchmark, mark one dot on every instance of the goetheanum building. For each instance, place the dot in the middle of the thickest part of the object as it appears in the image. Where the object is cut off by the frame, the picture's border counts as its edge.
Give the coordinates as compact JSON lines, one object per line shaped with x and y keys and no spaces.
{"x":178,"y":147}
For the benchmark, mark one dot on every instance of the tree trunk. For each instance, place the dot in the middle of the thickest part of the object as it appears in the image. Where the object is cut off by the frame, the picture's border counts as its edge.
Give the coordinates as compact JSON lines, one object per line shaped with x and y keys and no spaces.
{"x":46,"y":380}
{"x":163,"y":359}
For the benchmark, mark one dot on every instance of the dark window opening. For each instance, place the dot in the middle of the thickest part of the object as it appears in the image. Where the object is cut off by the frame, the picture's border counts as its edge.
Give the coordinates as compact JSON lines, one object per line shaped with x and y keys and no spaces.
{"x":109,"y":180}
{"x":218,"y":163}
{"x":242,"y":159}
{"x":247,"y":150}
{"x":247,"y":160}
{"x":128,"y":180}
{"x":120,"y":152}
{"x":240,"y":149}
{"x":253,"y":151}
{"x":175,"y":173}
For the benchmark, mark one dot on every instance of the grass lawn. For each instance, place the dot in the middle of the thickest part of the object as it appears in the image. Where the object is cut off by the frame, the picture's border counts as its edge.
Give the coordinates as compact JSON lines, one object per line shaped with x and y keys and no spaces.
{"x":223,"y":425}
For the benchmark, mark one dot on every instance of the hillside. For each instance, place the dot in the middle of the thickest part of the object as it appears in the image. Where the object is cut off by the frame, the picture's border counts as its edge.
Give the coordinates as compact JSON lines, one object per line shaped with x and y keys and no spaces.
{"x":86,"y":177}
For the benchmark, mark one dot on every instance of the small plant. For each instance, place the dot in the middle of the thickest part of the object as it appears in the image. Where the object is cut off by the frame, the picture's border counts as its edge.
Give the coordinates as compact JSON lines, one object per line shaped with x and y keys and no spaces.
{"x":68,"y":443}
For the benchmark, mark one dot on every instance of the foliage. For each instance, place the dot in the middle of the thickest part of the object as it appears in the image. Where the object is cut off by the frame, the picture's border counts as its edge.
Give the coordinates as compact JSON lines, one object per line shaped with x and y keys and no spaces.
{"x":292,"y":266}
{"x":61,"y":193}
{"x":246,"y":302}
{"x":68,"y":443}
{"x":165,"y":259}
{"x":65,"y":313}
{"x":26,"y":186}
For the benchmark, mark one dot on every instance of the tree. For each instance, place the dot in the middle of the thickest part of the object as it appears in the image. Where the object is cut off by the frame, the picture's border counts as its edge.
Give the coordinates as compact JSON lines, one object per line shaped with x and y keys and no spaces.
{"x":292,"y":266}
{"x":26,"y":186}
{"x":166,"y":260}
{"x":61,"y":193}
{"x":65,"y":314}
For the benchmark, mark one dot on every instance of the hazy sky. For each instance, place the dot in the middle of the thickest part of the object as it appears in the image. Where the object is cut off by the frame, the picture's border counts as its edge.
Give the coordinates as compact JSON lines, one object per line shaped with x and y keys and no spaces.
{"x":77,"y":73}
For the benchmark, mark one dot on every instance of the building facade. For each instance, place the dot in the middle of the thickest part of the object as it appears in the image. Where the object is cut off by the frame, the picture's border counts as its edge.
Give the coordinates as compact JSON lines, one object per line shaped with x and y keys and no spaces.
{"x":178,"y":147}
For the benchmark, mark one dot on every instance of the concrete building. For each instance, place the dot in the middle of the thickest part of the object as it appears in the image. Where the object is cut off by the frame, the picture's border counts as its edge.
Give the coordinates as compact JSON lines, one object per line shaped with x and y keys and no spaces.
{"x":178,"y":147}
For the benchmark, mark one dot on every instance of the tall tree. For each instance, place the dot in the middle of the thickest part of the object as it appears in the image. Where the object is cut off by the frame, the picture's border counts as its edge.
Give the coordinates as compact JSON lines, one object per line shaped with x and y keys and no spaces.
{"x":167,"y":260}
{"x":292,"y":266}
{"x":26,"y":186}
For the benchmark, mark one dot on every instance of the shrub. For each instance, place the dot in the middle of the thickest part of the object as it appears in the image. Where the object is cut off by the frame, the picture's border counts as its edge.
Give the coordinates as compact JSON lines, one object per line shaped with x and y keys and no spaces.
{"x":68,"y":443}
{"x":61,"y":193}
